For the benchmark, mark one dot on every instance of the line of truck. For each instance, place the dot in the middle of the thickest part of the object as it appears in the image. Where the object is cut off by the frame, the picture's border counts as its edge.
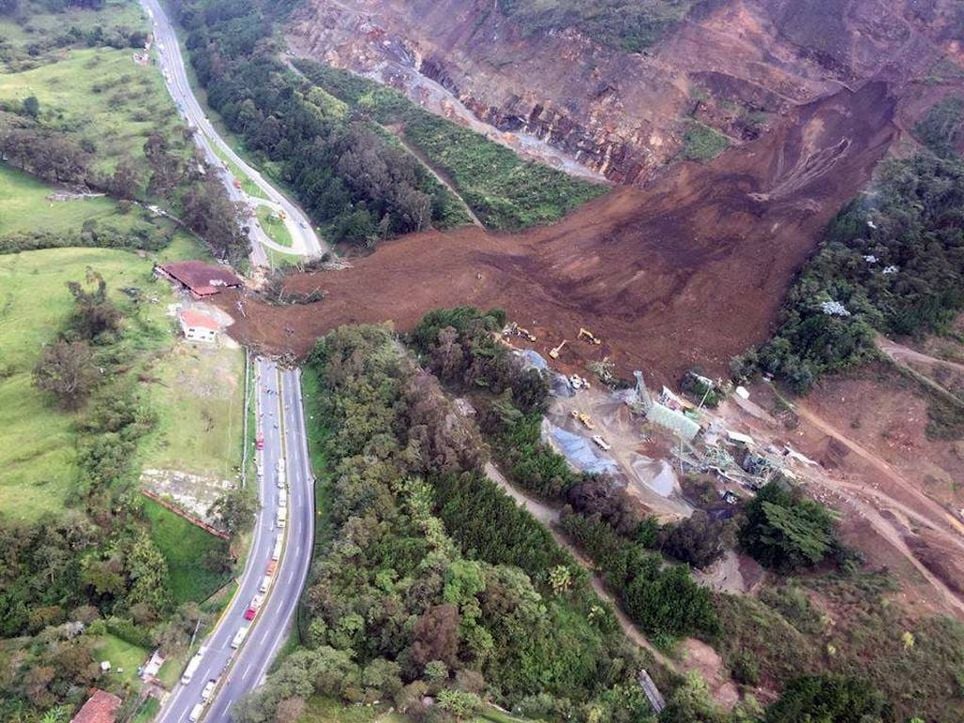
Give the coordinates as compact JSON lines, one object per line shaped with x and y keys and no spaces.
{"x":252,"y":611}
{"x":198,"y":710}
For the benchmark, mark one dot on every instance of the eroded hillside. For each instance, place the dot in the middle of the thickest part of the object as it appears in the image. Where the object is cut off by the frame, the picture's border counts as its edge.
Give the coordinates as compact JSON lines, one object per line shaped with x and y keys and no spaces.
{"x":735,"y":66}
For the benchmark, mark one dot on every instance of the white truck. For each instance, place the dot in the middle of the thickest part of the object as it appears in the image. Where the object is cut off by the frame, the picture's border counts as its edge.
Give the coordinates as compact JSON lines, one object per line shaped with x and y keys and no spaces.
{"x":282,"y":517}
{"x":239,"y":637}
{"x":282,"y":497}
{"x":208,"y":690}
{"x":196,"y":712}
{"x":265,"y":584}
{"x":602,"y":443}
{"x":192,"y":666}
{"x":278,"y":546}
{"x":280,"y":473}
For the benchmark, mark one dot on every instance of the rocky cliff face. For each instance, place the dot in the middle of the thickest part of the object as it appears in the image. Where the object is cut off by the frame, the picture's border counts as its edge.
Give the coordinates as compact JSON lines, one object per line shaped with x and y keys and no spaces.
{"x":735,"y":65}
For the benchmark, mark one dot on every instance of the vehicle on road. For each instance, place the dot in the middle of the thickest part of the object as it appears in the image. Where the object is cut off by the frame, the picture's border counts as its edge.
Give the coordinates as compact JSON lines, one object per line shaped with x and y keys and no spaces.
{"x":239,"y":637}
{"x":265,"y":584}
{"x":282,"y":518}
{"x":259,"y":443}
{"x":208,"y":690}
{"x":196,"y":712}
{"x":601,"y":443}
{"x":280,"y":471}
{"x":250,"y":613}
{"x":278,"y":546}
{"x":192,"y":666}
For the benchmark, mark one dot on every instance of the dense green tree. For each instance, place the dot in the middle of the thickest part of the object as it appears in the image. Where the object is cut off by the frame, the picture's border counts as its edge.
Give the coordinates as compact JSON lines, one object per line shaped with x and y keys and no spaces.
{"x":31,"y":106}
{"x":94,"y":313}
{"x":892,"y":260}
{"x":235,"y":510}
{"x":698,"y":539}
{"x":148,"y":574}
{"x":67,"y":371}
{"x":786,"y":531}
{"x":827,"y":699}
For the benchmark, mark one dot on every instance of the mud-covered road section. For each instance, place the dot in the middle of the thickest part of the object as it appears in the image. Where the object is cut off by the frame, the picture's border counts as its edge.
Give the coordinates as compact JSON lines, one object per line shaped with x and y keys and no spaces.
{"x":686,"y":272}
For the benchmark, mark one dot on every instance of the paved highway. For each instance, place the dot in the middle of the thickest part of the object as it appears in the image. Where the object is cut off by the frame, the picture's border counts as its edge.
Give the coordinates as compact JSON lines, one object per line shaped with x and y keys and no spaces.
{"x":281,"y":424}
{"x":305,"y":241}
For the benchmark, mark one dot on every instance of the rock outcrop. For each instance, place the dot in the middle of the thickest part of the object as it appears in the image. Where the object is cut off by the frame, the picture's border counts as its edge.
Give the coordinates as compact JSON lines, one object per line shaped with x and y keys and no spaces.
{"x":734,"y":65}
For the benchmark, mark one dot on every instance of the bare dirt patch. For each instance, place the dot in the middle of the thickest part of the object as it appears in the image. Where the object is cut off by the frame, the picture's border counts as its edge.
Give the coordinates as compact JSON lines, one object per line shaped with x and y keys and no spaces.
{"x":689,"y":271}
{"x":898,"y":492}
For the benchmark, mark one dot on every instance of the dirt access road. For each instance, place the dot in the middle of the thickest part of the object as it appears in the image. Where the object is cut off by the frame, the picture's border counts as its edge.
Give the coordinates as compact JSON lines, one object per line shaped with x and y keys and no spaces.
{"x":695,"y":654}
{"x":871,"y":492}
{"x":689,"y":271}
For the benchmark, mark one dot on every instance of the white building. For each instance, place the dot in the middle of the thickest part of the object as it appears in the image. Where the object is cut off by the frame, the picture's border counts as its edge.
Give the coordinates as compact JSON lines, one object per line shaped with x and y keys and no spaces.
{"x":198,"y":326}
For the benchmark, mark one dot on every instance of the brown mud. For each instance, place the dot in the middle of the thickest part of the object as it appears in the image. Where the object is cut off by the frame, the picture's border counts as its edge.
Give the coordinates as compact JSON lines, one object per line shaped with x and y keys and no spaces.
{"x":688,"y":271}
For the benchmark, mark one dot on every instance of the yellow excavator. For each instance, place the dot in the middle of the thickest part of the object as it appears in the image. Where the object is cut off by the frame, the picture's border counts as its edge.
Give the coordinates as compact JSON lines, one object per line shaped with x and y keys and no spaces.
{"x":589,"y":336}
{"x":554,"y":352}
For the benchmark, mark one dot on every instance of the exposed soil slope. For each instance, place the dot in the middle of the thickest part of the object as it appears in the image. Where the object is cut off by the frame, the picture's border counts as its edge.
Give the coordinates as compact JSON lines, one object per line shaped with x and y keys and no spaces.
{"x":735,"y":65}
{"x":690,"y":270}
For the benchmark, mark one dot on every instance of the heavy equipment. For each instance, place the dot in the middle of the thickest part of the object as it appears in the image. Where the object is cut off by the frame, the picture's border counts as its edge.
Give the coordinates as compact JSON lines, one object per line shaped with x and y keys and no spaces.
{"x":589,"y":336}
{"x":584,"y":418}
{"x":554,"y":352}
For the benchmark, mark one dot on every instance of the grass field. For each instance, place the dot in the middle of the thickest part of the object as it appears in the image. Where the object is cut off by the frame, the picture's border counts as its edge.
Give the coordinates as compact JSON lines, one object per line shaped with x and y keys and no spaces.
{"x":35,"y":40}
{"x":24,"y":207}
{"x":184,"y":546}
{"x":37,"y":441}
{"x":100,"y":98}
{"x":124,"y":658}
{"x":274,"y":226}
{"x":148,"y":711}
{"x":702,"y":143}
{"x":198,"y":397}
{"x":247,"y":185}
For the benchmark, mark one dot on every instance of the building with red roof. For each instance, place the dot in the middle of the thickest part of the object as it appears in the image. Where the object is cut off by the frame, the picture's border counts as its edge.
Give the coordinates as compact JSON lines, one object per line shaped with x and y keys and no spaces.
{"x":198,"y":326}
{"x":199,"y":278}
{"x":101,"y":707}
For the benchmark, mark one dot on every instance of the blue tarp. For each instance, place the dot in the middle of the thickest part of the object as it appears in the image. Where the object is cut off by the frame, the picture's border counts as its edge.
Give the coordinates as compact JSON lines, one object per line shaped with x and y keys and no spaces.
{"x":580,"y":452}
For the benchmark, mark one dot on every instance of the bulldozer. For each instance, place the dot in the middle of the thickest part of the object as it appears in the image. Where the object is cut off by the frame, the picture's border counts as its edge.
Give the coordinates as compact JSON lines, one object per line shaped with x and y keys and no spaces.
{"x":554,"y":352}
{"x":589,"y":336}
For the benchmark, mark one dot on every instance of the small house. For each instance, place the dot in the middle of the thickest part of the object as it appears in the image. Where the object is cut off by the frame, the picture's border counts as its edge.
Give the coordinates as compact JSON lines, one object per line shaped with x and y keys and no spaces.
{"x":101,"y":707}
{"x":198,"y":326}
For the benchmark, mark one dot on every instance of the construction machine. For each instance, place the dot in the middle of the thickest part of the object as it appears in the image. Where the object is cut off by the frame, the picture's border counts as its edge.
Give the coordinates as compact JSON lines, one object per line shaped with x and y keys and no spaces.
{"x":584,"y":418}
{"x":554,"y":352}
{"x":514,"y":328}
{"x":589,"y":336}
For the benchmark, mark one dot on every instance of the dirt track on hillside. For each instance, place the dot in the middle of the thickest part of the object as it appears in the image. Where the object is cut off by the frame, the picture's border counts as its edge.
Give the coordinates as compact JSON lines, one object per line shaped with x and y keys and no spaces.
{"x":686,"y":272}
